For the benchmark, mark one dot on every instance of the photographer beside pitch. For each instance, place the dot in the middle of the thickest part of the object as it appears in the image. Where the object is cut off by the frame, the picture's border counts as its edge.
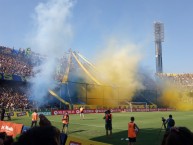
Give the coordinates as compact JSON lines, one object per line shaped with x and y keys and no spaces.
{"x":169,"y":123}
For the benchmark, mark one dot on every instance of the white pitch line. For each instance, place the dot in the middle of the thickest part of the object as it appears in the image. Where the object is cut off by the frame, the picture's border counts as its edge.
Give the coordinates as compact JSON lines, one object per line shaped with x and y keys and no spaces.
{"x":93,"y":125}
{"x":79,"y":124}
{"x":87,"y":125}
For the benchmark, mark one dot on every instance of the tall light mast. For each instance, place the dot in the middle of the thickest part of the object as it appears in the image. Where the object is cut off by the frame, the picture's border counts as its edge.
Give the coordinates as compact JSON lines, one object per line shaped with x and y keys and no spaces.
{"x":159,"y":38}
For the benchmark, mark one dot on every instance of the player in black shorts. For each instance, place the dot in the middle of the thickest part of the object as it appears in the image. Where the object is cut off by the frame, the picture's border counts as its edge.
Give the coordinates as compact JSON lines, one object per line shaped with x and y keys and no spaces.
{"x":108,"y":122}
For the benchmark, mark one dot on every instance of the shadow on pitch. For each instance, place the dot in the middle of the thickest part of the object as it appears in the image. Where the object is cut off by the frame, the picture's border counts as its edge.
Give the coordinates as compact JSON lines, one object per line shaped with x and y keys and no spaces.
{"x":70,"y":132}
{"x":148,"y":136}
{"x":89,"y":119}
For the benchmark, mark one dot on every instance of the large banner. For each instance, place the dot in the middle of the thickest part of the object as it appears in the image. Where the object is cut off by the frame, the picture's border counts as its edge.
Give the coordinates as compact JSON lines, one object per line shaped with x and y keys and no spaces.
{"x":12,"y":77}
{"x":76,"y":111}
{"x":16,"y":114}
{"x":11,"y":129}
{"x":47,"y":113}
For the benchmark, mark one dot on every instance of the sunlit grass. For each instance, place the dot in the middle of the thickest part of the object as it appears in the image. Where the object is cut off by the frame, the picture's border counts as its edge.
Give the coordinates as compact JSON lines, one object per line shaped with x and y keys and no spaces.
{"x":150,"y":124}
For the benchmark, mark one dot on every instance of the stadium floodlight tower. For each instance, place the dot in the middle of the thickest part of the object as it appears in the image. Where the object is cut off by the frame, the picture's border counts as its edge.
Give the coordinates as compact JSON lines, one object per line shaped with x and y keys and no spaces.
{"x":159,"y":38}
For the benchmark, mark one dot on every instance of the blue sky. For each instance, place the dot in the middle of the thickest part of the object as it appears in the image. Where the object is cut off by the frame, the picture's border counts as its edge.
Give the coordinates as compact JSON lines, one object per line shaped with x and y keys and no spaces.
{"x":93,"y":22}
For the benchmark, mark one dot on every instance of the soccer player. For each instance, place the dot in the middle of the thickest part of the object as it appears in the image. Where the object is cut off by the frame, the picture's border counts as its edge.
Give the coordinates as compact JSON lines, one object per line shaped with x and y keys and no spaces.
{"x":34,"y":118}
{"x":81,"y":112}
{"x":108,"y":122}
{"x":65,"y":121}
{"x":132,"y":131}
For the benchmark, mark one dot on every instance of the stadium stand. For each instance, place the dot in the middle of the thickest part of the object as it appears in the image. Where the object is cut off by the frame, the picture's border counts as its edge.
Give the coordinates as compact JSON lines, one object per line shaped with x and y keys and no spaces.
{"x":13,"y":96}
{"x":183,"y":81}
{"x":16,"y":66}
{"x":13,"y":62}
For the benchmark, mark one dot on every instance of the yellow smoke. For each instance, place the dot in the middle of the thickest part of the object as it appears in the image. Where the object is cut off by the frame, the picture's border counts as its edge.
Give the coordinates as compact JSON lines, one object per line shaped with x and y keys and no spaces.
{"x":118,"y":64}
{"x":174,"y":97}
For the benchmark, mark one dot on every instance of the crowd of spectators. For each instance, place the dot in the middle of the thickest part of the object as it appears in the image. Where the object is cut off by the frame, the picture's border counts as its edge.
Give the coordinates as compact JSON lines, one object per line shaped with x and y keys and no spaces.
{"x":14,"y":97}
{"x":184,"y":81}
{"x":14,"y":65}
{"x":22,"y":63}
{"x":17,"y":96}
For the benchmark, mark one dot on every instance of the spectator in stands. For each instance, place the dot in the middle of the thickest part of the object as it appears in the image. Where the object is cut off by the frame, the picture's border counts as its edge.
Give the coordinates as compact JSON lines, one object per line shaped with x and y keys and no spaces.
{"x":44,"y":121}
{"x":178,"y":136}
{"x":47,"y":135}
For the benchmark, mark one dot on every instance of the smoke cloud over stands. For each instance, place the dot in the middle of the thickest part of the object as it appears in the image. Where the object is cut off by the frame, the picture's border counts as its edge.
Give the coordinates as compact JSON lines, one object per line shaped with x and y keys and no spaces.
{"x":51,"y":35}
{"x":52,"y":32}
{"x":119,"y":65}
{"x":174,"y":97}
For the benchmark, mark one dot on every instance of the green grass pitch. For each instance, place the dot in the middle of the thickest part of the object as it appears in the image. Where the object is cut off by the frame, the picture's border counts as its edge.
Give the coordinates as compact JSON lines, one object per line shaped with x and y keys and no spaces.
{"x":92,"y":128}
